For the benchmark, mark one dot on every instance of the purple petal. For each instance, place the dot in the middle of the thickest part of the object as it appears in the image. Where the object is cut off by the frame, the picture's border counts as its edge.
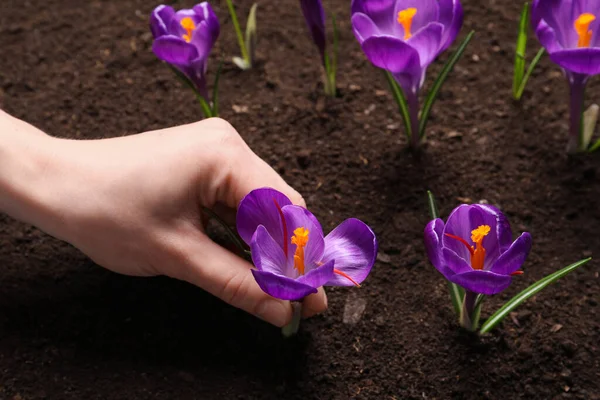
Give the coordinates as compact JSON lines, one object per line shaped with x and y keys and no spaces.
{"x":512,"y":260}
{"x":299,"y":217}
{"x":433,"y":242}
{"x":503,"y":231}
{"x":268,"y":256}
{"x":262,"y":207}
{"x":557,"y":14}
{"x":202,"y":39}
{"x":392,"y":54}
{"x":282,"y":287}
{"x":364,"y":27}
{"x":206,"y":12}
{"x":318,"y":276}
{"x":353,"y":246}
{"x":584,"y":61}
{"x":454,"y":264}
{"x":484,"y":282}
{"x":547,"y":37}
{"x":160,"y":19}
{"x":315,"y":19}
{"x":427,"y":42}
{"x":451,"y":16}
{"x":174,"y":50}
{"x":381,"y":12}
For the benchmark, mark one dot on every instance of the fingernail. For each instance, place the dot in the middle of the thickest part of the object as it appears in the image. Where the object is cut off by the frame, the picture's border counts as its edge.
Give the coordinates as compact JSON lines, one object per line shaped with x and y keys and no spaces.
{"x":274,"y":312}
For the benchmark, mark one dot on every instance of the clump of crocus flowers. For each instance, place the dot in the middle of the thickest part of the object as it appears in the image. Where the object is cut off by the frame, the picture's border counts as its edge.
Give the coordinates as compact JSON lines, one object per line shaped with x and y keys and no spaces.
{"x":404,"y":37}
{"x":568,"y":30}
{"x":292,"y":256}
{"x":184,"y":40}
{"x":314,"y":14}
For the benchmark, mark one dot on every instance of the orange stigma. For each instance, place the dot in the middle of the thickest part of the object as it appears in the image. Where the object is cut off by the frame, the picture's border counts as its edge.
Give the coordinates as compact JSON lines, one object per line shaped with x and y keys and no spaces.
{"x":405,"y":18}
{"x":188,"y":24}
{"x":300,"y":239}
{"x":582,"y":27}
{"x":477,"y":251}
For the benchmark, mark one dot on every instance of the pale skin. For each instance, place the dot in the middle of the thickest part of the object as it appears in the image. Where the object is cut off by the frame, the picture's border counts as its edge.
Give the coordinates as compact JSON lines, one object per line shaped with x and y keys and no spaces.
{"x":134,"y":204}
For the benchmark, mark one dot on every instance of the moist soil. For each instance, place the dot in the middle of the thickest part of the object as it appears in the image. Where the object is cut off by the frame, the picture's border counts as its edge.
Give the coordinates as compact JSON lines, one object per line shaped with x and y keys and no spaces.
{"x":72,"y":330}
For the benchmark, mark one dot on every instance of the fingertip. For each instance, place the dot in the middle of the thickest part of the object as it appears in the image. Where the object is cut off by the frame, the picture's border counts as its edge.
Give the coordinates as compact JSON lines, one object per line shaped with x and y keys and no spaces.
{"x":315,"y":304}
{"x":275,"y":312}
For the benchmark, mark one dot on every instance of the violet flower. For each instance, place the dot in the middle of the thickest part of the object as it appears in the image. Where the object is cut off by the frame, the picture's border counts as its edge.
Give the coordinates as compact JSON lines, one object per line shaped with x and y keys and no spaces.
{"x":474,"y":249}
{"x":291,"y":254}
{"x":184,"y":39}
{"x":569,"y":31}
{"x":404,"y":37}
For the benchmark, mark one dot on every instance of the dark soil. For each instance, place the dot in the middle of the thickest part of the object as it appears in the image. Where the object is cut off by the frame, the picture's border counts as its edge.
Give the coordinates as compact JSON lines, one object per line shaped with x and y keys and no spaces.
{"x":71,"y":330}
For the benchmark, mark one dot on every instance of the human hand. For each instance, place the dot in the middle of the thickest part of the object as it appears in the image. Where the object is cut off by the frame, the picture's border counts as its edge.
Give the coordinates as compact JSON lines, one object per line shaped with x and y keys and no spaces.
{"x":133,"y":205}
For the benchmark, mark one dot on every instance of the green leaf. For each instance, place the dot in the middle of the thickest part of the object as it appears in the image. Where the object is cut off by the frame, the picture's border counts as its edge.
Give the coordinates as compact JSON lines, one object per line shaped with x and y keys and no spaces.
{"x":532,"y":66}
{"x":521,"y":50}
{"x":527,"y":293}
{"x":235,"y":238}
{"x":401,"y":101}
{"x":432,"y":96}
{"x":332,"y":73}
{"x":590,"y":118}
{"x":206,"y":110}
{"x":595,"y":147}
{"x":251,"y":34}
{"x":456,"y":292}
{"x":240,"y":37}
{"x":215,"y":93}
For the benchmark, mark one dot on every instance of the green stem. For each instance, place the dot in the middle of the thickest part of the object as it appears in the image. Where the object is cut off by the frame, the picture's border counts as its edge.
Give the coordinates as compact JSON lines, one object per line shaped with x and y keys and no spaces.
{"x":292,"y":328}
{"x":470,"y":312}
{"x":238,"y":32}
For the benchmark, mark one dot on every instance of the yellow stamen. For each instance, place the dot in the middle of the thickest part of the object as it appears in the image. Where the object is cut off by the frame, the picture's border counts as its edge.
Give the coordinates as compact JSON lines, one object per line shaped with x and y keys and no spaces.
{"x":582,"y":27}
{"x":478,"y":254}
{"x":300,"y":239}
{"x":405,"y":18}
{"x":188,"y":24}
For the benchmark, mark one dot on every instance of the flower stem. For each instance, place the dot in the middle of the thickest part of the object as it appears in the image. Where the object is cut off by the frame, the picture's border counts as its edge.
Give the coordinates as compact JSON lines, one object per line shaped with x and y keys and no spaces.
{"x":292,"y":328}
{"x":577,"y":84}
{"x":412,"y":100}
{"x":238,"y":32}
{"x":470,"y":312}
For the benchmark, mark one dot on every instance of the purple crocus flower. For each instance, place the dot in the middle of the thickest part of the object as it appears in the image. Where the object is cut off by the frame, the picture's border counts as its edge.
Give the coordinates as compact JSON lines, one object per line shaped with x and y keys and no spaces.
{"x":404,"y":37}
{"x":474,"y":249}
{"x":315,"y":19}
{"x":570,"y":32}
{"x":184,"y":39}
{"x":291,"y":255}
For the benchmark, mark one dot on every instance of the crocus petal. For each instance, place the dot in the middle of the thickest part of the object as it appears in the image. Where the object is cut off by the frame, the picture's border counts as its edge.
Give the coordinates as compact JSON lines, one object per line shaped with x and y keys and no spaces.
{"x":433,"y":239}
{"x":502,"y":227}
{"x":174,"y":51}
{"x":547,"y":37}
{"x":267,"y":254}
{"x":391,"y":54}
{"x":451,"y":16}
{"x":299,"y":217}
{"x":353,"y":246}
{"x":484,"y":282}
{"x":459,"y":224}
{"x":511,"y":260}
{"x":453,"y":264}
{"x":160,"y":19}
{"x":202,"y":39}
{"x":381,"y":12}
{"x":262,"y":207}
{"x":315,"y":19}
{"x":206,"y":12}
{"x":427,"y":42}
{"x":282,"y":287}
{"x":364,"y":27}
{"x":318,"y":276}
{"x":581,"y":61}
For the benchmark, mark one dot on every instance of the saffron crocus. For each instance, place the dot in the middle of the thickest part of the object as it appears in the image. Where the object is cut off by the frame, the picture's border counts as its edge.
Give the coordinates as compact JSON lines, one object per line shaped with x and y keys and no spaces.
{"x":184,"y":39}
{"x":315,"y":20}
{"x":404,"y":37}
{"x":292,"y":256}
{"x":568,"y":30}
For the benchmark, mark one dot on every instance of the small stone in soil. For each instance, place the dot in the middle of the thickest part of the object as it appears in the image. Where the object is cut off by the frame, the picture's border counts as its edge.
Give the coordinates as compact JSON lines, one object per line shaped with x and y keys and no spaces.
{"x":354,"y":309}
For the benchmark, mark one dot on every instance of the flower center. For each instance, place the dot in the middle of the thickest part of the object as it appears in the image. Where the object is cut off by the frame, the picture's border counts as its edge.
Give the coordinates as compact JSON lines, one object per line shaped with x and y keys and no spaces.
{"x":188,"y":24}
{"x":300,"y":239}
{"x":582,"y":27}
{"x":477,"y":251}
{"x":405,"y":18}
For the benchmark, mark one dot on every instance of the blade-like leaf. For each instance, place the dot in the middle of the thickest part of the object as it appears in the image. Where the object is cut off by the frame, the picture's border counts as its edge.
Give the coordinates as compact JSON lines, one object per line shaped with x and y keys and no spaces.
{"x":527,"y":293}
{"x":456,"y":292}
{"x":401,"y":101}
{"x":595,"y":147}
{"x":532,"y":66}
{"x":206,"y":110}
{"x":433,"y":93}
{"x":240,"y":37}
{"x":521,"y":50}
{"x":251,"y":34}
{"x":334,"y":63}
{"x":215,"y":94}
{"x":235,"y":238}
